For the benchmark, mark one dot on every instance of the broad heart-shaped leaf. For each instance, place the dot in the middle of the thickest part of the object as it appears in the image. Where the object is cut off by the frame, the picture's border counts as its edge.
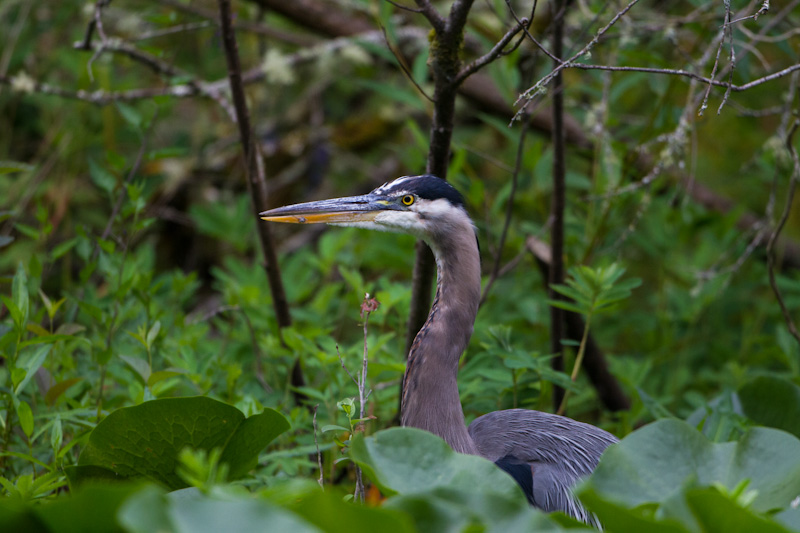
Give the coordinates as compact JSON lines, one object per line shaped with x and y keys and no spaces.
{"x":409,"y":460}
{"x":773,"y":402}
{"x":92,"y":509}
{"x":145,"y":440}
{"x":443,"y":490}
{"x":716,"y":512}
{"x":331,"y":514}
{"x":661,"y":459}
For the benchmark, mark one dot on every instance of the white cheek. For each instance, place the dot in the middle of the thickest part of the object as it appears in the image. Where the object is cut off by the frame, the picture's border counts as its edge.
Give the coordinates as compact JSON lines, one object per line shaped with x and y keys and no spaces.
{"x":400,"y":221}
{"x":440,"y":208}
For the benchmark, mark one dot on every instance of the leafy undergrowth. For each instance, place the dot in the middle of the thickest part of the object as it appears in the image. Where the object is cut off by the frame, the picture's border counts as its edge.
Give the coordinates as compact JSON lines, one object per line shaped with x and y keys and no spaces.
{"x":665,"y":477}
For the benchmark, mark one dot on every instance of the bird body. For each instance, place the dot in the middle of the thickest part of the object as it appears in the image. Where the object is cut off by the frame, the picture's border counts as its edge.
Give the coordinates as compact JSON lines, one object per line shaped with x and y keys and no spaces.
{"x":545,"y":453}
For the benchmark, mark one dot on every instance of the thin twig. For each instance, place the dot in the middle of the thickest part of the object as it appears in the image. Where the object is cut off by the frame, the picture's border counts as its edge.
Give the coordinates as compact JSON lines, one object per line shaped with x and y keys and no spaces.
{"x":319,"y":455}
{"x":434,"y":17}
{"x":405,"y":8}
{"x":493,"y":54}
{"x":509,"y":209}
{"x":731,"y":58}
{"x":403,"y":66}
{"x":795,"y":176}
{"x":527,"y":33}
{"x":341,"y":361}
{"x":527,"y":95}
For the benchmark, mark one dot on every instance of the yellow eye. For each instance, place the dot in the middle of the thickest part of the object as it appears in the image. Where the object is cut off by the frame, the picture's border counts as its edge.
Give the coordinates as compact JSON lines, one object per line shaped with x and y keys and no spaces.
{"x":407,"y":199}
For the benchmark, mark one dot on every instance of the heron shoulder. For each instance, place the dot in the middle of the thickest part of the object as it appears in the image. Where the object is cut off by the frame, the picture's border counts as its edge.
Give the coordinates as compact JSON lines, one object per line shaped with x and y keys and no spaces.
{"x":534,"y":436}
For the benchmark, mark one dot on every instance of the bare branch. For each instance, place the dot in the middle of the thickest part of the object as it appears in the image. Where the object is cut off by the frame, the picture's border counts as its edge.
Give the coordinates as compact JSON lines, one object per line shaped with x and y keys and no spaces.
{"x":292,"y":37}
{"x":787,"y":209}
{"x":256,"y":180}
{"x":692,"y":75}
{"x":493,"y":54}
{"x":528,"y":94}
{"x":509,"y":209}
{"x":429,"y":12}
{"x":403,"y":66}
{"x":405,"y":8}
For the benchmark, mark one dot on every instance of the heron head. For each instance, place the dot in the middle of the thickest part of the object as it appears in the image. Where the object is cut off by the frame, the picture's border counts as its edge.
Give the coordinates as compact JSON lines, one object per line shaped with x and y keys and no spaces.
{"x":420,"y":205}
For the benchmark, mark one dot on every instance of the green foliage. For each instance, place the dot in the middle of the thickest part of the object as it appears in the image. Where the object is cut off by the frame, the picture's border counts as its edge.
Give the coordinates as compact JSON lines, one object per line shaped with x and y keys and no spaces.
{"x":131,"y":275}
{"x":594,"y":289}
{"x":149,"y":440}
{"x":669,"y":477}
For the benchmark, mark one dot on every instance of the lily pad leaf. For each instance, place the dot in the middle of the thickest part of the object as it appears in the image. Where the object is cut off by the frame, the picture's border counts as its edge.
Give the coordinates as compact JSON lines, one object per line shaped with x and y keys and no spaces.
{"x":443,"y":490}
{"x":655,"y":463}
{"x":144,"y":441}
{"x":774,"y":402}
{"x":409,"y":460}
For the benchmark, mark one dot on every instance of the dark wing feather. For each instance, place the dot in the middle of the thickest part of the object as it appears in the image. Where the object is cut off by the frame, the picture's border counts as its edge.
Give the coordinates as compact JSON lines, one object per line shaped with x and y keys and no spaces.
{"x":555,"y":452}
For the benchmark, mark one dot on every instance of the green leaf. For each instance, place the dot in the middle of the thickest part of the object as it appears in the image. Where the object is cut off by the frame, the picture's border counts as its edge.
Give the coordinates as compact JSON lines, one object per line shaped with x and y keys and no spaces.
{"x":153,"y":333}
{"x":716,"y":512}
{"x":139,"y":366}
{"x":332,"y":427}
{"x":252,"y":436}
{"x":31,"y":364}
{"x":207,"y":515}
{"x":101,"y":177}
{"x":62,"y":248}
{"x":13,"y":310}
{"x":54,"y":392}
{"x":774,"y":402}
{"x":19,"y":294}
{"x":25,"y":418}
{"x":45,"y":339}
{"x":161,"y":375}
{"x":409,"y":460}
{"x":93,"y":509}
{"x":130,"y":114}
{"x":330,"y":513}
{"x":617,"y":517}
{"x":655,"y":462}
{"x":146,"y":511}
{"x":7,"y":167}
{"x":145,"y":440}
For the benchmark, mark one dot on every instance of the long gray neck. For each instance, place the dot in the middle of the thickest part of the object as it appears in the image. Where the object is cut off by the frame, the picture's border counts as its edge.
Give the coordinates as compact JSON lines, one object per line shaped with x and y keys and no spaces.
{"x":430,"y":390}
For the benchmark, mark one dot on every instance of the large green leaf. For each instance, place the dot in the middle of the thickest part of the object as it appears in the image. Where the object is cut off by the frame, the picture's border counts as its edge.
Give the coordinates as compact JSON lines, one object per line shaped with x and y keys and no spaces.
{"x":717,"y":513}
{"x":93,"y":508}
{"x":408,"y":460}
{"x":328,"y":512}
{"x":664,"y":458}
{"x":443,"y":490}
{"x":145,"y":440}
{"x":208,"y":515}
{"x":773,"y":402}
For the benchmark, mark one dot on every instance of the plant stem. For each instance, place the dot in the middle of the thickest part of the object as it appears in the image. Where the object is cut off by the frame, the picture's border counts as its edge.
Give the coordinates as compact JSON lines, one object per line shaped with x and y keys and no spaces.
{"x":578,"y":361}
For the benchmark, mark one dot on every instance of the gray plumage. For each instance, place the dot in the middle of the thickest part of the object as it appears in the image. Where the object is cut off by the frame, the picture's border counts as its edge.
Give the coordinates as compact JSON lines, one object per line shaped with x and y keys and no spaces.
{"x":547,"y":454}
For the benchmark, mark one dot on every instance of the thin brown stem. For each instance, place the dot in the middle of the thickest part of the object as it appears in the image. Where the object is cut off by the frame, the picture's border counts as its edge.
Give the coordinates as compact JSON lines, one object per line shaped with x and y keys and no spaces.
{"x":509,"y":209}
{"x":557,"y":203}
{"x":577,"y":366}
{"x":321,"y":481}
{"x":787,"y":209}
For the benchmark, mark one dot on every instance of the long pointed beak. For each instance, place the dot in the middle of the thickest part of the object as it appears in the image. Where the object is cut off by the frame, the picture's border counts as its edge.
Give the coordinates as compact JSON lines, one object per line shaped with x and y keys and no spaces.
{"x":338,"y":210}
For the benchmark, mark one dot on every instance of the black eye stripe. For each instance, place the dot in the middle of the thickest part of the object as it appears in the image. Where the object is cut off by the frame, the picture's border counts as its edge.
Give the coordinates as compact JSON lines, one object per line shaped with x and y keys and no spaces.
{"x":425,"y":187}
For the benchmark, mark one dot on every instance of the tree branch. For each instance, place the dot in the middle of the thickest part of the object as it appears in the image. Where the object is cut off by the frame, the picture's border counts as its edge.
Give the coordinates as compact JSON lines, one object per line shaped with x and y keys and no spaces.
{"x":255,"y":175}
{"x":493,"y":54}
{"x":787,"y":209}
{"x":557,"y":203}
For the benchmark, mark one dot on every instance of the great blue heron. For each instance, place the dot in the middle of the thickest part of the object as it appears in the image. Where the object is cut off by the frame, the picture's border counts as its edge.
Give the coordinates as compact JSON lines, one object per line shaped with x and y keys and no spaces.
{"x":545,"y":453}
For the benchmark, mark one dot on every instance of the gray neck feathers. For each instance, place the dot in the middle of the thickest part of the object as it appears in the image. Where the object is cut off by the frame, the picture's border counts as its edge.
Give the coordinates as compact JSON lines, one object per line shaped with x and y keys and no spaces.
{"x":430,"y":391}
